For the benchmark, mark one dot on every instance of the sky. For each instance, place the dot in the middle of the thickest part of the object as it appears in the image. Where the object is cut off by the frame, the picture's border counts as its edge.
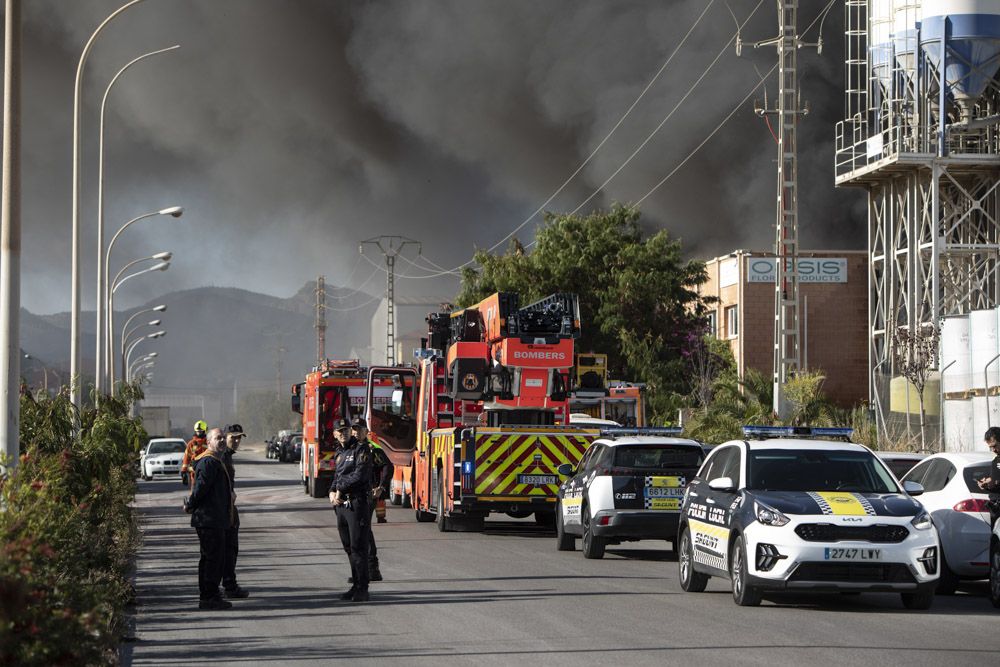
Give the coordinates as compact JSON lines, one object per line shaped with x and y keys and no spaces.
{"x":290,"y":131}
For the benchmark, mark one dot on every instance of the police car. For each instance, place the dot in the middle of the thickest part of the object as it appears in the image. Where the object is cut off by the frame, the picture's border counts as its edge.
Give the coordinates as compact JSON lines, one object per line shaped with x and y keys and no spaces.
{"x":779,"y":512}
{"x":628,"y":486}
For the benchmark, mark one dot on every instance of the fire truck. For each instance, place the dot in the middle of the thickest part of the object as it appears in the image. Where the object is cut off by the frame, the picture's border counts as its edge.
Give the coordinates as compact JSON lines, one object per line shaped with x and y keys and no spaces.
{"x":333,"y":390}
{"x":491,"y":416}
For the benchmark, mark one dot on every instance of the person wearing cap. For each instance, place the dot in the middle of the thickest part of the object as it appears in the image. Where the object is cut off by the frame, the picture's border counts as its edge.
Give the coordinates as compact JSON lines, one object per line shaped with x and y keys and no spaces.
{"x":382,"y":477}
{"x":351,"y":498}
{"x":194,"y":448}
{"x":234,"y":434}
{"x":991,"y":484}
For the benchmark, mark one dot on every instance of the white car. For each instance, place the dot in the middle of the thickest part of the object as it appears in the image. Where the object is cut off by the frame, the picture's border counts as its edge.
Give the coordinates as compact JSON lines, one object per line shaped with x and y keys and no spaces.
{"x":958,"y":507}
{"x":628,"y":486}
{"x":777,"y":512}
{"x":162,"y":456}
{"x":995,"y":566}
{"x":900,"y":463}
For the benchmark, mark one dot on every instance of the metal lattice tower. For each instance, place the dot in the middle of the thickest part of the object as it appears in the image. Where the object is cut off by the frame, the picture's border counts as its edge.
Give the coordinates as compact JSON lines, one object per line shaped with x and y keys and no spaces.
{"x":390,"y":247}
{"x":320,"y":319}
{"x":787,"y":350}
{"x":928,"y":157}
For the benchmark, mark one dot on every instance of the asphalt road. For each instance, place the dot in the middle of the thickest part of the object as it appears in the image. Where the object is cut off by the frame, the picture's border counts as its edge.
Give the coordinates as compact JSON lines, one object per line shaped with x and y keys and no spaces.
{"x":495,"y":598}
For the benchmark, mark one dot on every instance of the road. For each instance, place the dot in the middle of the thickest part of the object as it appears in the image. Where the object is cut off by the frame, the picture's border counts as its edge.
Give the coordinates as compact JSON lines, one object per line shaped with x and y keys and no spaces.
{"x":494,"y":598}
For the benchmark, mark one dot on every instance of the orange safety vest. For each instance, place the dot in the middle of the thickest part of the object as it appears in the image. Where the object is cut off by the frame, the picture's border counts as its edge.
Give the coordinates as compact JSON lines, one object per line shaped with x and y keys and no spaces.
{"x":195,"y":448}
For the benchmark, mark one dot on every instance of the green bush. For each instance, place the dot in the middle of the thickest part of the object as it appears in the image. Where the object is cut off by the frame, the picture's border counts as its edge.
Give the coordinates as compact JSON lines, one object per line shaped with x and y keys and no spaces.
{"x":68,"y":533}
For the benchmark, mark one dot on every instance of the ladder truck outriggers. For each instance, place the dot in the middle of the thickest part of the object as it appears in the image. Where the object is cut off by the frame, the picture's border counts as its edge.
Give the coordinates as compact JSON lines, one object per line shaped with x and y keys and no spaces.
{"x":490,"y":423}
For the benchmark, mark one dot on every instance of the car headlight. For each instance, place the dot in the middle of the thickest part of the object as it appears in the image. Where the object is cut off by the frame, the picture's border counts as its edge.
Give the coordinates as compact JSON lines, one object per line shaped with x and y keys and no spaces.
{"x":768,"y":515}
{"x":922,"y":521}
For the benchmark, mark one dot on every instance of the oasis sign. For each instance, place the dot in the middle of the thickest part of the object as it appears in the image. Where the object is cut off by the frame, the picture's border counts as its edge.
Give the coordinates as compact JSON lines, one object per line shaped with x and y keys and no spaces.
{"x":811,"y":270}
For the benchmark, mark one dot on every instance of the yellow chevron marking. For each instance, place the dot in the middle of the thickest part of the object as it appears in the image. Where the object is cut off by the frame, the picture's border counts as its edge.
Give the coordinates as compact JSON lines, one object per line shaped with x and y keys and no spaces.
{"x":843,"y":504}
{"x":709,"y":529}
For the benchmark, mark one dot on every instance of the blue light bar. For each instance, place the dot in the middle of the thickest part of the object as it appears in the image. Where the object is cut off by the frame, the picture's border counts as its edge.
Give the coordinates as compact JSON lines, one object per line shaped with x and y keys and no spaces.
{"x":796,"y":431}
{"x":669,"y":431}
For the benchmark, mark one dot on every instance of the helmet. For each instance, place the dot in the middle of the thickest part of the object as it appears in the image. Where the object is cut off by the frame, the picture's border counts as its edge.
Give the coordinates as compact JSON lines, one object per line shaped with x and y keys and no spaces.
{"x":200,"y":426}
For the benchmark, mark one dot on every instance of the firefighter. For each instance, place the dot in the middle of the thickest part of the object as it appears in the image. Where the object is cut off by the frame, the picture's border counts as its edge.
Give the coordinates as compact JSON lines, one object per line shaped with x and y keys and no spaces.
{"x":234,"y":435}
{"x":381,"y":479}
{"x":195,"y":446}
{"x":351,"y":498}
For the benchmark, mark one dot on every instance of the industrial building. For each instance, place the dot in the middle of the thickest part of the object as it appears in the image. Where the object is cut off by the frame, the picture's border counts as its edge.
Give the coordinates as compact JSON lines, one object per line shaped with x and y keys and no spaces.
{"x":833,"y":321}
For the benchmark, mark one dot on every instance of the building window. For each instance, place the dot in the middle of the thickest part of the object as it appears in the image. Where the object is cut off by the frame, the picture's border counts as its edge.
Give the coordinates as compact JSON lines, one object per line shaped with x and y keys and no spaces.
{"x":732,"y":321}
{"x":713,"y":327}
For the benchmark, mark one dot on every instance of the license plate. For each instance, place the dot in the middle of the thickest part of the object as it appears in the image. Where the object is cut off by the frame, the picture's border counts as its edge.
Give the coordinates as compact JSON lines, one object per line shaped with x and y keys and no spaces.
{"x":661,"y":492}
{"x":536,"y":480}
{"x":852,"y":554}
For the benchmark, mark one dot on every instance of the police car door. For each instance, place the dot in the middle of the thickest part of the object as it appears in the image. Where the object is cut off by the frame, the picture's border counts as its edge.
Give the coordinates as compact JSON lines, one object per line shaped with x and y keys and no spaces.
{"x":709,"y":511}
{"x":575,"y":487}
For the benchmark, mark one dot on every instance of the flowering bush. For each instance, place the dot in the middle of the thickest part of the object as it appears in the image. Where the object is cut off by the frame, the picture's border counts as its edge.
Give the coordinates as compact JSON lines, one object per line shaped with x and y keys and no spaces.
{"x":67,"y":532}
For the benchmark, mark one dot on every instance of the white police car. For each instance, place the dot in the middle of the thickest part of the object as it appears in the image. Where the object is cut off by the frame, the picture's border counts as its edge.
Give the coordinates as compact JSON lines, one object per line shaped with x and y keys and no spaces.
{"x":778,"y":512}
{"x":628,"y":486}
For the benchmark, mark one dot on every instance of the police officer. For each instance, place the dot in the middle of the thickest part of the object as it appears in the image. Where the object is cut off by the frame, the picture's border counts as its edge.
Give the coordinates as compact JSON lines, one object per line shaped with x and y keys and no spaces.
{"x":991,"y":484}
{"x":351,"y":498}
{"x":234,"y":435}
{"x":382,"y":477}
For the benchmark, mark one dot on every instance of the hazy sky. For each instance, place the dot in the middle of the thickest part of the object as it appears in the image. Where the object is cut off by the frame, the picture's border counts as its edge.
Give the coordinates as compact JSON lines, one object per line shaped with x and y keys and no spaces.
{"x":291,"y":130}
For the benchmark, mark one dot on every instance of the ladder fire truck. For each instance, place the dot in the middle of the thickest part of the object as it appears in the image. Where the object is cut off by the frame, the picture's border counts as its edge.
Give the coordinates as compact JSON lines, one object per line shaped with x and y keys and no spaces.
{"x":333,"y":390}
{"x":490,"y":422}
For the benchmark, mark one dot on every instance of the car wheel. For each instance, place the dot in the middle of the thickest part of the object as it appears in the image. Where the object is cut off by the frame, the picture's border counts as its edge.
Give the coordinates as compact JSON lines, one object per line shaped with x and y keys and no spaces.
{"x":564,"y":541}
{"x":744,"y":594}
{"x":691,"y":581}
{"x":995,"y":574}
{"x":919,"y":600}
{"x":948,"y":581}
{"x":593,"y":546}
{"x":145,"y":477}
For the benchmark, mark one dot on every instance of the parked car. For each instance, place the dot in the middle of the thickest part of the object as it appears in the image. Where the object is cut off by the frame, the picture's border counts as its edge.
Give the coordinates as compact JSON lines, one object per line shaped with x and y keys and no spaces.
{"x":162,"y":456}
{"x":290,"y":450}
{"x":995,"y":566}
{"x":271,"y":447}
{"x":900,"y":463}
{"x":958,"y":507}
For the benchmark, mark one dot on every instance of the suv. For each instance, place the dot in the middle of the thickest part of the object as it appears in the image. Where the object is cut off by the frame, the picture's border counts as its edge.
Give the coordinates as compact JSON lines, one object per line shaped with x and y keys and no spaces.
{"x":290,"y":449}
{"x":628,"y":486}
{"x":777,"y":512}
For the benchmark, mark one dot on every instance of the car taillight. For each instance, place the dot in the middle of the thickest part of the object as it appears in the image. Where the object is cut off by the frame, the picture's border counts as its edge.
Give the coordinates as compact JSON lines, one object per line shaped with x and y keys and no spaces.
{"x":971,"y":505}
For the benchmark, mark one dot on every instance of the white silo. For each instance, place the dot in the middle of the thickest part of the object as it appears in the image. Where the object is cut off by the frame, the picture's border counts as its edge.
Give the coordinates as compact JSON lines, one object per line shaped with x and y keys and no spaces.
{"x":958,"y":425}
{"x":880,"y":41}
{"x":956,"y":358}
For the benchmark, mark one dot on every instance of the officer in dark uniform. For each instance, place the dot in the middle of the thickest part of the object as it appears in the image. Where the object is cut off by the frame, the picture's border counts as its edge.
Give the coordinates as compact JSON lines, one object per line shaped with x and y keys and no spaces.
{"x":351,"y":497}
{"x":382,"y":477}
{"x":991,"y":483}
{"x":234,"y":435}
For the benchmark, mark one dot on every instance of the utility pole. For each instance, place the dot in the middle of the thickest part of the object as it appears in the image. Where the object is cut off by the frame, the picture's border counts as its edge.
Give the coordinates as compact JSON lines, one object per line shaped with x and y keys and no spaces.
{"x":390,"y":247}
{"x":320,"y":319}
{"x":787,"y":348}
{"x":279,"y":359}
{"x":10,"y":242}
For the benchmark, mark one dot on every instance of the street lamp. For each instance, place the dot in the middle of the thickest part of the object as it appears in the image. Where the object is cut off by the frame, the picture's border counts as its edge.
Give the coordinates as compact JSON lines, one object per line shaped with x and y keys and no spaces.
{"x":135,"y":369}
{"x":74,"y":344}
{"x":174,"y":212}
{"x":45,"y":370}
{"x":128,"y":352}
{"x":119,"y":281}
{"x":126,"y":334}
{"x":101,"y":290}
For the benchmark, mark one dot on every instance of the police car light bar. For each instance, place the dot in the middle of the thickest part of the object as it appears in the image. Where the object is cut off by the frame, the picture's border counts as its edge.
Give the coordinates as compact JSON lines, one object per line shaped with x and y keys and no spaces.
{"x":796,"y":431}
{"x":670,"y":431}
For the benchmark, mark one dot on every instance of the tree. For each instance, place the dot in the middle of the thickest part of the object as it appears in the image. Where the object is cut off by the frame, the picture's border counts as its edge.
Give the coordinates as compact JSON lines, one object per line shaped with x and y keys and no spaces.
{"x":914,"y":353}
{"x":638,"y":295}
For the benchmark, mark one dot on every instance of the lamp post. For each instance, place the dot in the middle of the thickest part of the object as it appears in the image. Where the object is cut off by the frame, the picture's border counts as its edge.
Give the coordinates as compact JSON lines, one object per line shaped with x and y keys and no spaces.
{"x":74,"y":344}
{"x":45,"y":371}
{"x":162,"y":266}
{"x":129,"y":332}
{"x":174,"y":212}
{"x":101,"y":288}
{"x":138,"y":367}
{"x":148,"y":357}
{"x":132,"y":346}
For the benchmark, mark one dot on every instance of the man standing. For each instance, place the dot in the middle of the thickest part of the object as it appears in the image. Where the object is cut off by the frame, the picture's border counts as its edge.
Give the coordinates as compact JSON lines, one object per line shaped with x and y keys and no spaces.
{"x":195,"y":447}
{"x":234,"y":435}
{"x":211,"y":508}
{"x":382,"y":477}
{"x":991,"y":484}
{"x":351,"y":497}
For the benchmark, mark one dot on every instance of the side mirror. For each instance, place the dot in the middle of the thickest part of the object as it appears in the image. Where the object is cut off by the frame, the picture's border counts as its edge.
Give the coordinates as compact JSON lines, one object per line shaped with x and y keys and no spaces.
{"x":565,"y":469}
{"x":913,"y":488}
{"x":722,"y":484}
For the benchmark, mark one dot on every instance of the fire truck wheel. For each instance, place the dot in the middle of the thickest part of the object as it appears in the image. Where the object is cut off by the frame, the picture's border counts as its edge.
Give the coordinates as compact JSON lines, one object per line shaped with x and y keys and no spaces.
{"x":395,"y":499}
{"x":407,"y":500}
{"x":311,"y":487}
{"x":443,"y":524}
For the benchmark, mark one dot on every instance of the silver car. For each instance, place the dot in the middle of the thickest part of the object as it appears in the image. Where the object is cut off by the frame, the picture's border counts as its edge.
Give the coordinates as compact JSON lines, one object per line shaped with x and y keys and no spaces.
{"x":162,"y":456}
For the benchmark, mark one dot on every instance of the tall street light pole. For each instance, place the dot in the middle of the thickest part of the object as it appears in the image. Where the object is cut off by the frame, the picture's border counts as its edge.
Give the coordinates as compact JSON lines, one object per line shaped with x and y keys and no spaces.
{"x":109,"y":308}
{"x":133,"y":344}
{"x":74,"y":344}
{"x":174,"y":212}
{"x":10,"y":242}
{"x":162,"y":266}
{"x":101,"y":293}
